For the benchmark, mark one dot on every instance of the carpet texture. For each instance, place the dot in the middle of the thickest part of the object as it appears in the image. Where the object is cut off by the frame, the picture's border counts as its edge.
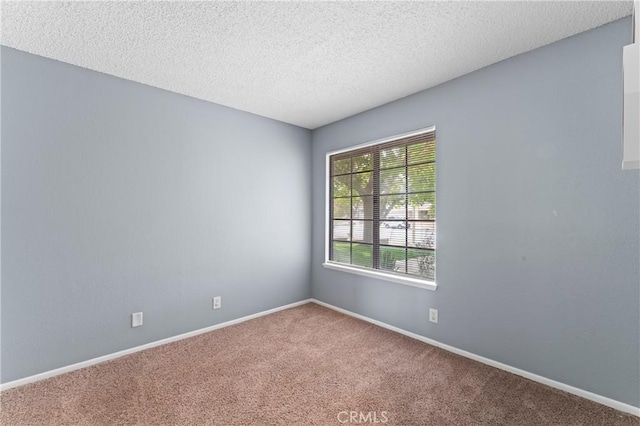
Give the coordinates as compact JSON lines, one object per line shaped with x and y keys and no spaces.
{"x":303,"y":366}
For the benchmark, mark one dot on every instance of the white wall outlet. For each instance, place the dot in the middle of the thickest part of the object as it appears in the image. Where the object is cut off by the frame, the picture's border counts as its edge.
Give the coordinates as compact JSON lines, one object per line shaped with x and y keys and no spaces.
{"x":136,"y":319}
{"x":433,"y":315}
{"x":217,"y":302}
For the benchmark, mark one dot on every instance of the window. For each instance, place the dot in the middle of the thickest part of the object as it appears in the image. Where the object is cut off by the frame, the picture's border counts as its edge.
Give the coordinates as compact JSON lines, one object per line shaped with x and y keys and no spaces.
{"x":382,"y":209}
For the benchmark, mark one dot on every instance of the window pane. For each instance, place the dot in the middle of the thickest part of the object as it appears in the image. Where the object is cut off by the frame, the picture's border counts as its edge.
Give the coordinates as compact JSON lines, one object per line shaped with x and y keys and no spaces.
{"x":421,"y":263}
{"x":393,"y":233}
{"x":341,"y":166}
{"x":342,"y":230}
{"x":392,"y":259}
{"x":392,"y":207}
{"x":421,"y":152}
{"x":362,"y":231}
{"x":422,"y":235}
{"x":392,"y":157}
{"x":393,"y":181}
{"x":341,"y":252}
{"x":362,"y":162}
{"x":363,"y":207}
{"x":342,"y":208}
{"x":422,"y":177}
{"x":362,"y":183}
{"x":422,"y":206}
{"x":362,"y":255}
{"x":342,"y":186}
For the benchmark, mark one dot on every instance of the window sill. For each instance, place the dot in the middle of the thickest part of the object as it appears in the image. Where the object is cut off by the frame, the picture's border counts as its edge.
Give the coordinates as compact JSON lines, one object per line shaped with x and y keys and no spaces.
{"x":413,"y":282}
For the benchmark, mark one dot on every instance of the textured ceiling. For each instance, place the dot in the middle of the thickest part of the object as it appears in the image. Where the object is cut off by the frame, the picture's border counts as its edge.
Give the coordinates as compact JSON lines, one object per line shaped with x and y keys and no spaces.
{"x":305,"y":63}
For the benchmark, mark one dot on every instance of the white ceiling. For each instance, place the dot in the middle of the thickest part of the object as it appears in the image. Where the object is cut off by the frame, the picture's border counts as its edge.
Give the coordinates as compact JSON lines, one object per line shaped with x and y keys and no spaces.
{"x":305,"y":63}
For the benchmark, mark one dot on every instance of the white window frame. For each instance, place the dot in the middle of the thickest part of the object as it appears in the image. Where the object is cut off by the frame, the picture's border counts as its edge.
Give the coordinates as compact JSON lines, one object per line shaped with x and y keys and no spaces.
{"x":368,"y":272}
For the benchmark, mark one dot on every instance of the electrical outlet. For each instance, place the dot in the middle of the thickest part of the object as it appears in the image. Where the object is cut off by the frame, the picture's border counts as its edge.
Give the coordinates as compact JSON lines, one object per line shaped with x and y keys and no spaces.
{"x":136,"y":319}
{"x":433,"y":315}
{"x":217,"y":302}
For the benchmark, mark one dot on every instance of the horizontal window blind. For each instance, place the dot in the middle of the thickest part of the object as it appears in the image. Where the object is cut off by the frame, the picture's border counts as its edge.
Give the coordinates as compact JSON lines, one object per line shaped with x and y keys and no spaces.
{"x":383,"y":206}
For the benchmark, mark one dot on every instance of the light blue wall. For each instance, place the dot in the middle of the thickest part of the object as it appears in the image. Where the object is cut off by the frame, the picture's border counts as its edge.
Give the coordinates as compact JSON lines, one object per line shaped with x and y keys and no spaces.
{"x":538,"y":226}
{"x":119,"y":197}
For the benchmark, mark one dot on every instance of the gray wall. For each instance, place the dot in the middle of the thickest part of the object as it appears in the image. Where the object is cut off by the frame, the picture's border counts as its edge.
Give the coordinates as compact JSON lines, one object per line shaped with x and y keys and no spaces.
{"x":538,"y":226}
{"x":119,"y":197}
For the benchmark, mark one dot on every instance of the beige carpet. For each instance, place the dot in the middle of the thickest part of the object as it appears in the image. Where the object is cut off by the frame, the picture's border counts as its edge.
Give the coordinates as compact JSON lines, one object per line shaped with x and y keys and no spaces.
{"x":303,"y":366}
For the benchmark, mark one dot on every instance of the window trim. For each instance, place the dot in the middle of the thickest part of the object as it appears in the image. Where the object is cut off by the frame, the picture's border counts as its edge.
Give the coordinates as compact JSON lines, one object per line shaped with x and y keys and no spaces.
{"x":368,"y":272}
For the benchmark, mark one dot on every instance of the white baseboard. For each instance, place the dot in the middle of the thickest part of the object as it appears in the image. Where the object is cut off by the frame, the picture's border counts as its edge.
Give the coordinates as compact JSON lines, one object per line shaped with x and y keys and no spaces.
{"x":98,"y":360}
{"x":627,"y":408}
{"x":621,"y":406}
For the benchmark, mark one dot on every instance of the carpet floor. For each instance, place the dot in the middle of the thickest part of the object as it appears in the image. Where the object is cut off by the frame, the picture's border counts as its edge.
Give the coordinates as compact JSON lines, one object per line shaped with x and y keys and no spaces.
{"x":303,"y":366}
